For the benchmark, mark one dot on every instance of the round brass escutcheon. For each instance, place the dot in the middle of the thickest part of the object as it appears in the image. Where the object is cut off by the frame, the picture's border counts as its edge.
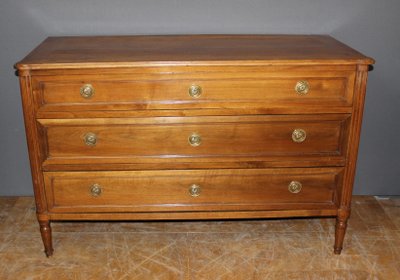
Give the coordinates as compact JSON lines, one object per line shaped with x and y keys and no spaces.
{"x":95,"y":190}
{"x":195,"y":91}
{"x":194,"y":190}
{"x":295,"y":187}
{"x":90,"y":139}
{"x":302,"y":87}
{"x":299,"y":135}
{"x":194,"y":140}
{"x":87,"y":91}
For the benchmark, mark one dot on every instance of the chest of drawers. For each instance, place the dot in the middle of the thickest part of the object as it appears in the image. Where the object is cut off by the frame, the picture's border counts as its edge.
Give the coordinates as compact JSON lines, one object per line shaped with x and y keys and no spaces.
{"x":192,"y":127}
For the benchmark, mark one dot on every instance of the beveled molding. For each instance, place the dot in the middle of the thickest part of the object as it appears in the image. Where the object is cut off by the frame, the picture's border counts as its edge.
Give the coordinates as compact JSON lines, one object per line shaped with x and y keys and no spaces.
{"x":264,"y":87}
{"x":193,"y":141}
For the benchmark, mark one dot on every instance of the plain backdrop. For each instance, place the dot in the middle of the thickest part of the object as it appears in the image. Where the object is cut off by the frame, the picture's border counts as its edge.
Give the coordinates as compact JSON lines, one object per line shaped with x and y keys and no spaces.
{"x":370,"y":26}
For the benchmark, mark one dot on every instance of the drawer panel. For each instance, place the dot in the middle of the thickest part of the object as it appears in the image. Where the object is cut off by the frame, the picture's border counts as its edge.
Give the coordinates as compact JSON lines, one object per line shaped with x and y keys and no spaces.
{"x":194,"y":190}
{"x":197,"y":137}
{"x":172,"y":91}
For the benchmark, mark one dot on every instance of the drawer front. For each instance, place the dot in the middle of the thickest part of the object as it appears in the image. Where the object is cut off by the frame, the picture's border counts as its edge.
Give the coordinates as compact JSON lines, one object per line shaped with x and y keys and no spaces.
{"x":197,"y":137}
{"x":194,"y":190}
{"x":191,"y":91}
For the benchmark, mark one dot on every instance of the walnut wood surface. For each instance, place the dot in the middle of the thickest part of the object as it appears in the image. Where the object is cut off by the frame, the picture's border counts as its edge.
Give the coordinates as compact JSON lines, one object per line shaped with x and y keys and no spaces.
{"x":238,"y":189}
{"x":251,"y":136}
{"x":142,"y":116}
{"x":126,"y":51}
{"x":249,"y":88}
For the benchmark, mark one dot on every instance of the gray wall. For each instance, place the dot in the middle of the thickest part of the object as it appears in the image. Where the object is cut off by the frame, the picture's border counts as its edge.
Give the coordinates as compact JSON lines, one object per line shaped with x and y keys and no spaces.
{"x":371,"y":26}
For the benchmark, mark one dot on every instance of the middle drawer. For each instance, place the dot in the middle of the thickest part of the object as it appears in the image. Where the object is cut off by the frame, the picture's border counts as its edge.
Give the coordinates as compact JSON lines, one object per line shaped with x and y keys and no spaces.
{"x":130,"y":140}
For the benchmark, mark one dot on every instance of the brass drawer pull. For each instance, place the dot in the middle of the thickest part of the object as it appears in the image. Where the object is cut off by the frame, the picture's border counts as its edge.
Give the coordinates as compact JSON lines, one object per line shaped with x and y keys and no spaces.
{"x":302,"y":87}
{"x":87,"y":91}
{"x":195,"y":91}
{"x":95,"y":190}
{"x":90,"y":139}
{"x":299,"y":135}
{"x":194,"y":140}
{"x":295,"y":187}
{"x":194,"y":190}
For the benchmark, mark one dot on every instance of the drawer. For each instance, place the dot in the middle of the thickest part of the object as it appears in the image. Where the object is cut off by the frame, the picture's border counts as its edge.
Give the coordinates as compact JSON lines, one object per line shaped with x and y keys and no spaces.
{"x":194,"y":91}
{"x":174,"y":138}
{"x":194,"y":190}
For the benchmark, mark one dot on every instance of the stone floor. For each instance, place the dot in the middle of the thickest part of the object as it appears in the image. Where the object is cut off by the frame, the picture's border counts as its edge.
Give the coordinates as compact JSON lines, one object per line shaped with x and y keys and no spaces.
{"x":259,"y":249}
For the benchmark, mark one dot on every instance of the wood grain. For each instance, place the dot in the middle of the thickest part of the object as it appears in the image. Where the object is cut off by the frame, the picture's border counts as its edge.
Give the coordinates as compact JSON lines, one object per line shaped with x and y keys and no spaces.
{"x":128,"y":51}
{"x":221,"y":190}
{"x":142,"y":115}
{"x":170,"y":91}
{"x":251,"y":136}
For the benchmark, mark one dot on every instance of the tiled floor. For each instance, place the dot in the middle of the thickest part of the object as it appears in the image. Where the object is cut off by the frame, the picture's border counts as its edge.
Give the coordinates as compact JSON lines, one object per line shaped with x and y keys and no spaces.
{"x":262,"y":249}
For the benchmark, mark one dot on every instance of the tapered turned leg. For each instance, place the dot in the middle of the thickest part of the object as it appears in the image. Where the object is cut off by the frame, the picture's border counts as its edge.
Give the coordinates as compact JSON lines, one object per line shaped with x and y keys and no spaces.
{"x":45,"y":230}
{"x":340,"y":230}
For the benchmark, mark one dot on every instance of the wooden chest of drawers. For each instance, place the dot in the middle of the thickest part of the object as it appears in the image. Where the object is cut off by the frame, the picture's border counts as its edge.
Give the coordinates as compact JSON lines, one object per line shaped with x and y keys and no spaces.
{"x":192,"y":127}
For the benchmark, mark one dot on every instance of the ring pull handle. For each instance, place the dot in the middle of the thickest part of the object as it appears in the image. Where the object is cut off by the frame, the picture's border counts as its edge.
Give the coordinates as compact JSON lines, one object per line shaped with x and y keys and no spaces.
{"x":194,"y":190}
{"x":302,"y":87}
{"x":299,"y":135}
{"x":95,"y":190}
{"x":295,"y":187}
{"x":195,"y":91}
{"x":194,"y":139}
{"x":90,"y":139}
{"x":87,"y":91}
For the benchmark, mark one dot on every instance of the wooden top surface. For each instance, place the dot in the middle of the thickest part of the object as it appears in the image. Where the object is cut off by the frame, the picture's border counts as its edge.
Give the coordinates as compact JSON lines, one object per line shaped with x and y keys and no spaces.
{"x":126,"y":51}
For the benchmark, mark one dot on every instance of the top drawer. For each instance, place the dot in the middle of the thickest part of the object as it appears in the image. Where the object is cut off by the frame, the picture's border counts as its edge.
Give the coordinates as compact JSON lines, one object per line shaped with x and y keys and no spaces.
{"x":213,"y":90}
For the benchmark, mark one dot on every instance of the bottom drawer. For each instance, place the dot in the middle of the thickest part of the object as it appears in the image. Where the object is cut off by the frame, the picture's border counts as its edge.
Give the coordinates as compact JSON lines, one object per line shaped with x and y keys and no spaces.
{"x":192,"y":190}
